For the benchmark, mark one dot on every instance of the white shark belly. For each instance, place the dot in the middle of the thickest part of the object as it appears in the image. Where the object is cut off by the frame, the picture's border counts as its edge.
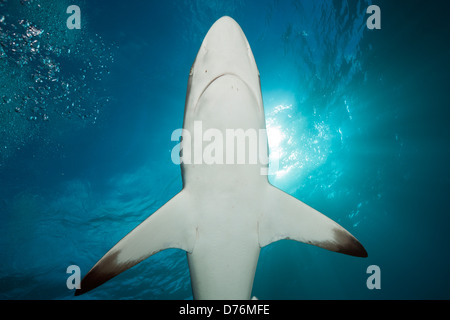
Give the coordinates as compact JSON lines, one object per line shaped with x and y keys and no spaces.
{"x":224,"y":269}
{"x":223,"y":261}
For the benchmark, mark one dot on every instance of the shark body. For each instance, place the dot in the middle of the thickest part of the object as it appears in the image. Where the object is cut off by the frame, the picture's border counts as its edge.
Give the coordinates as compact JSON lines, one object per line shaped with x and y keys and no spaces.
{"x":225,"y":213}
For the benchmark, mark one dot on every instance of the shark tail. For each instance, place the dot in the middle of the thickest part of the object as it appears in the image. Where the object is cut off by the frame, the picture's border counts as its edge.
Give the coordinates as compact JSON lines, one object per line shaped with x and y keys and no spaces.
{"x":167,"y":228}
{"x":288,"y":218}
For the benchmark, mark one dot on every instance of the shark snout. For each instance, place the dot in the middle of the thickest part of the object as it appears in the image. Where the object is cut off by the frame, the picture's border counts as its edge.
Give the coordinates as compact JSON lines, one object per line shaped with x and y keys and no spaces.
{"x":225,"y":34}
{"x":225,"y":40}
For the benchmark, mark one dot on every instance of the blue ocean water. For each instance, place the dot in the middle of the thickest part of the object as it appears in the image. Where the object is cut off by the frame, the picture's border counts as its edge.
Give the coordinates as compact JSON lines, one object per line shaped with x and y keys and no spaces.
{"x":358,"y":119}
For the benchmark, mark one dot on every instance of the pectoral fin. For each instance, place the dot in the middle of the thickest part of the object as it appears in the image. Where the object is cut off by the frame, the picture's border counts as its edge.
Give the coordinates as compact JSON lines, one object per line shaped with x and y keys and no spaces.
{"x":168,"y":227}
{"x":288,"y":218}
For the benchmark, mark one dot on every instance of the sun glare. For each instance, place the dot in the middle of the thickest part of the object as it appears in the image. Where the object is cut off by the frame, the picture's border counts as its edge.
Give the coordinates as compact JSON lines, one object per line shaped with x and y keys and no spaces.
{"x":275,"y":137}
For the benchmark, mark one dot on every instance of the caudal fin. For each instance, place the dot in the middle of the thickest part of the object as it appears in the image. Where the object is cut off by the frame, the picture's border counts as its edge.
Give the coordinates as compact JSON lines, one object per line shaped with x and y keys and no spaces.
{"x":288,"y":218}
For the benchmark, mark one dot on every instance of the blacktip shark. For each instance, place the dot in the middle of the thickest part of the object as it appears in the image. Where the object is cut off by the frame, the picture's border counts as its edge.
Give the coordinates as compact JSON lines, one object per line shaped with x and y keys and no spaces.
{"x":225,"y":213}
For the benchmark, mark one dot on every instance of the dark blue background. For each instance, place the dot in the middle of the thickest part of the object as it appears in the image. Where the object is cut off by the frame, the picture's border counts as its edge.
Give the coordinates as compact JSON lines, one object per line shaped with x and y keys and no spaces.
{"x":365,"y":121}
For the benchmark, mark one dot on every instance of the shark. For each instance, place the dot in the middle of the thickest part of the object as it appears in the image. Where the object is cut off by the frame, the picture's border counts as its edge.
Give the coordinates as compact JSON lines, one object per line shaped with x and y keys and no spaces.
{"x":225,"y":212}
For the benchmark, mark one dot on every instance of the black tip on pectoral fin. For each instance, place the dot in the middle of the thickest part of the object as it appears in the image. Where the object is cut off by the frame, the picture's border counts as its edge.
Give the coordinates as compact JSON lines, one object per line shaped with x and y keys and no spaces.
{"x":343,"y":242}
{"x":108,"y":267}
{"x":92,"y":280}
{"x":348,"y":244}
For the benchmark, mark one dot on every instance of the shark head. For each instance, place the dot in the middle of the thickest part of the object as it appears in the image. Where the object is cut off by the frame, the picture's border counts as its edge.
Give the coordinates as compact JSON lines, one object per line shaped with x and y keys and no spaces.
{"x":224,"y":52}
{"x":224,"y":110}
